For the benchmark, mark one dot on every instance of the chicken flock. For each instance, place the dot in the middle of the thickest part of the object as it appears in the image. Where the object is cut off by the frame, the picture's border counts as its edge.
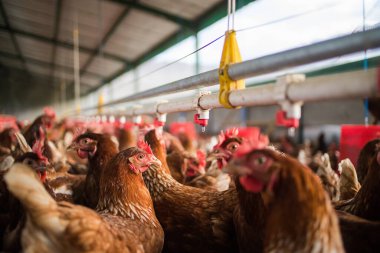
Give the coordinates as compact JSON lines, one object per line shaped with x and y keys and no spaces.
{"x":70,"y":187}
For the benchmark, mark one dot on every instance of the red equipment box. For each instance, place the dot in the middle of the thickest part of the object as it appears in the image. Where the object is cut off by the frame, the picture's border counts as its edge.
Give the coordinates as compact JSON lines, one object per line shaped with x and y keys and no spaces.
{"x":7,"y":121}
{"x":354,"y":137}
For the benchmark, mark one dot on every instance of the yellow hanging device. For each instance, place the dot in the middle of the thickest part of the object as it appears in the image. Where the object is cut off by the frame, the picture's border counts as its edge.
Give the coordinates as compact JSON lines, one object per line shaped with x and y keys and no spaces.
{"x":100,"y":103}
{"x":230,"y":55}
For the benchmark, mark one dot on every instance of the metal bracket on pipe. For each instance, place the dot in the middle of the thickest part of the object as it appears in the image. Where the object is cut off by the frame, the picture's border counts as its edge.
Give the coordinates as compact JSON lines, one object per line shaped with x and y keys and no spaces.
{"x":122,"y":120}
{"x":290,"y":112}
{"x":111,"y":119}
{"x":282,"y":83}
{"x":160,"y":119}
{"x":199,"y":97}
{"x":202,"y":116}
{"x":136,"y":119}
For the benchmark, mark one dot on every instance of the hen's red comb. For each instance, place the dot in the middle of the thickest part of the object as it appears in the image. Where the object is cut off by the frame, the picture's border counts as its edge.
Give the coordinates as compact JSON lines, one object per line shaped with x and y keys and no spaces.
{"x":252,"y":142}
{"x":144,"y":146}
{"x":201,"y":158}
{"x":49,"y":111}
{"x":232,"y":132}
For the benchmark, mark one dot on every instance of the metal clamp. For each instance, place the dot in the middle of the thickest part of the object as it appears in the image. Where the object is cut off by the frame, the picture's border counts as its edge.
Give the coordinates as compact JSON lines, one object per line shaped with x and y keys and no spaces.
{"x":160,"y":119}
{"x":230,"y":55}
{"x":290,"y":112}
{"x":202,"y":116}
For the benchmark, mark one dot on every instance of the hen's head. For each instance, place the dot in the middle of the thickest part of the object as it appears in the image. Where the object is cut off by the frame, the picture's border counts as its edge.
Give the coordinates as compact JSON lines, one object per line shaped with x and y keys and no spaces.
{"x":141,"y":158}
{"x":47,"y":121}
{"x":227,"y":145}
{"x":235,"y":141}
{"x":8,"y":137}
{"x":195,"y":165}
{"x":85,"y":145}
{"x":365,"y":157}
{"x":37,"y":162}
{"x":258,"y":170}
{"x":375,"y":160}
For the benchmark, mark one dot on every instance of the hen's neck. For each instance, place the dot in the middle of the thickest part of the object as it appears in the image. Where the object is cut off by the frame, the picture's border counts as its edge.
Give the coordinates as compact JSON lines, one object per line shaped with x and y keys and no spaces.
{"x":301,"y":218}
{"x":124,"y":194}
{"x":249,"y":201}
{"x":32,"y":130}
{"x":106,"y":149}
{"x":367,"y":200}
{"x":158,"y":181}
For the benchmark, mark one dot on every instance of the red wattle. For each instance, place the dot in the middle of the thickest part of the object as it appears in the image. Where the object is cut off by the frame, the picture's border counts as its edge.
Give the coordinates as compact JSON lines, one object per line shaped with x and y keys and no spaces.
{"x":221,"y":163}
{"x":251,"y":184}
{"x":190,"y":172}
{"x":42,"y":176}
{"x":142,"y":169}
{"x":82,"y":154}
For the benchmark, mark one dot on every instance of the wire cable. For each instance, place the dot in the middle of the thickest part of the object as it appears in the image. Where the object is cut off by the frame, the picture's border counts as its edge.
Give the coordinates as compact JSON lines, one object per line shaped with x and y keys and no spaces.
{"x":180,"y":59}
{"x":365,"y":67}
{"x":239,"y":30}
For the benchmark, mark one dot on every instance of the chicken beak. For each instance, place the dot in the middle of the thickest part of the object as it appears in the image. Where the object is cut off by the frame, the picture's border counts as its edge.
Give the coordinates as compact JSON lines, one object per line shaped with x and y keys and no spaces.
{"x":214,"y":156}
{"x":236,"y":168}
{"x":41,"y":169}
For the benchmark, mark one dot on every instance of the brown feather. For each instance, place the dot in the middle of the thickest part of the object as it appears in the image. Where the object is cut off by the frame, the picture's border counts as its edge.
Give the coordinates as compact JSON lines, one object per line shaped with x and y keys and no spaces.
{"x":194,"y":220}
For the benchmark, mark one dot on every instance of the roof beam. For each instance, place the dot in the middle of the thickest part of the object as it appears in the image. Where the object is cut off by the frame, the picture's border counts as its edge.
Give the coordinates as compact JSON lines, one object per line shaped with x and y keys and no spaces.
{"x":45,"y":64}
{"x":61,"y":44}
{"x":13,"y":37}
{"x":104,"y":40}
{"x":151,"y":10}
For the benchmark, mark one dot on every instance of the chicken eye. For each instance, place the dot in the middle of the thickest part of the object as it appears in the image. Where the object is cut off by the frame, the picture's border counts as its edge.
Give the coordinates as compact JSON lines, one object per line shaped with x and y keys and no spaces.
{"x":261,"y":160}
{"x":29,"y":162}
{"x":140,"y":156}
{"x":85,"y":141}
{"x":233,"y":146}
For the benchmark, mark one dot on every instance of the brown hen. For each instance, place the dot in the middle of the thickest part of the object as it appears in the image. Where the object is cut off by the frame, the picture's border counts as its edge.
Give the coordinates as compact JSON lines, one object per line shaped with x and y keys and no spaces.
{"x":300,"y":216}
{"x":125,"y":221}
{"x":194,"y":220}
{"x":99,"y":149}
{"x":366,"y":203}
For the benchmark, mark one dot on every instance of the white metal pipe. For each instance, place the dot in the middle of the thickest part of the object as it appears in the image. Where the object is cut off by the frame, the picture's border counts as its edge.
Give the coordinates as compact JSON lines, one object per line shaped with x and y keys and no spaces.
{"x":267,"y":64}
{"x":151,"y":109}
{"x":185,"y":104}
{"x":356,"y":84}
{"x":299,"y":56}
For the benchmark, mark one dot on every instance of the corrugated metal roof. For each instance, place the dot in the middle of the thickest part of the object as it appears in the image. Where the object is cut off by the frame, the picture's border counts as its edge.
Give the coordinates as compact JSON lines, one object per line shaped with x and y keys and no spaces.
{"x":65,"y":57}
{"x":35,"y":49}
{"x":114,"y":35}
{"x":185,"y":8}
{"x":138,"y":33}
{"x":14,"y":63}
{"x":6,"y":43}
{"x":33,"y":16}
